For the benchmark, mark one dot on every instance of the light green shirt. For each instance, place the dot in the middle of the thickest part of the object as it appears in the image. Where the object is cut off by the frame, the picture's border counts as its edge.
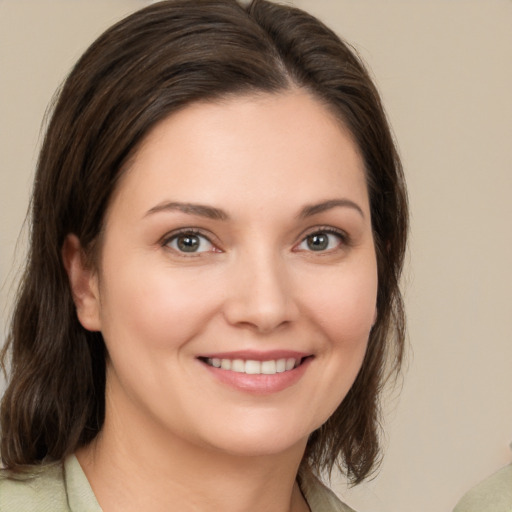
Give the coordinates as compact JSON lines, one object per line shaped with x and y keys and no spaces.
{"x":52,"y":488}
{"x":492,"y":495}
{"x":65,"y":488}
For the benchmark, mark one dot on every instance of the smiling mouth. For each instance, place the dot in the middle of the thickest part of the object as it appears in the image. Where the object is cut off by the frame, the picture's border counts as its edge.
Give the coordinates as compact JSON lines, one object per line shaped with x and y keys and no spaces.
{"x":253,"y":367}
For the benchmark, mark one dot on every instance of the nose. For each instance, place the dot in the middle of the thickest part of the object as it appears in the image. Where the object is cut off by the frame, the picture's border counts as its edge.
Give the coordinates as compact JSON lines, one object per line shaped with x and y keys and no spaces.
{"x":261,"y":295}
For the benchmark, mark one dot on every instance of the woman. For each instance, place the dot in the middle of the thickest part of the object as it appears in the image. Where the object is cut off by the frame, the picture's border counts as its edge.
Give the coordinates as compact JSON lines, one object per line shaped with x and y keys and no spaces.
{"x":211,"y":306}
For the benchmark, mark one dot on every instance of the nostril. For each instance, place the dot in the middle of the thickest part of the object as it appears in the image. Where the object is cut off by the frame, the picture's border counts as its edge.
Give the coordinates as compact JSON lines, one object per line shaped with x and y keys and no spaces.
{"x":260,"y":315}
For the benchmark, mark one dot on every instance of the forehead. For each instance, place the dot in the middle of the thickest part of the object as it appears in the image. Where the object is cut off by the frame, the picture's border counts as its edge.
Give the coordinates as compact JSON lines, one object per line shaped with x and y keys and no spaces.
{"x":271,"y":145}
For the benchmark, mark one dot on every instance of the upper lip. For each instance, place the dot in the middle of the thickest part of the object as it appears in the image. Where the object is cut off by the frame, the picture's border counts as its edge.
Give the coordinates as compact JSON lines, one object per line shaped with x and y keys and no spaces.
{"x":256,"y":355}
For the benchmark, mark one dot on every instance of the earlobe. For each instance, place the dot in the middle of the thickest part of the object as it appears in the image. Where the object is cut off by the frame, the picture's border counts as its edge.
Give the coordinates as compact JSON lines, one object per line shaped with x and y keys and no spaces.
{"x":83,"y":282}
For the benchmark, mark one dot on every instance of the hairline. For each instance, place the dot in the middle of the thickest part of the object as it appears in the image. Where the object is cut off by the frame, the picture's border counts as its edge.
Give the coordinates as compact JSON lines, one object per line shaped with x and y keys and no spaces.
{"x":94,"y":248}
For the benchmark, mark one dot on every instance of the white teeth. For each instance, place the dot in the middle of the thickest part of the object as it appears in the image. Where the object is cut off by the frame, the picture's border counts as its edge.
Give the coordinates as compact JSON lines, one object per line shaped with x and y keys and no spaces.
{"x":280,"y":365}
{"x":252,"y":367}
{"x":268,"y":367}
{"x":225,"y":364}
{"x":290,"y":364}
{"x":238,"y":366}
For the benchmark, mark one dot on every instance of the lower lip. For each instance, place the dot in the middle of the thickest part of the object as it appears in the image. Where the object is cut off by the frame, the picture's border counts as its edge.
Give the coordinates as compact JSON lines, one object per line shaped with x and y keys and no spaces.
{"x":259,"y":384}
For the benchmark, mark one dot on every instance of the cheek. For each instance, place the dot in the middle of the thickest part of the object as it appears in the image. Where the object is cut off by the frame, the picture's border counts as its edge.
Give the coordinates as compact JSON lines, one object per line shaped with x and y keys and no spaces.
{"x":345,"y":306}
{"x":345,"y":314}
{"x":155,"y":308}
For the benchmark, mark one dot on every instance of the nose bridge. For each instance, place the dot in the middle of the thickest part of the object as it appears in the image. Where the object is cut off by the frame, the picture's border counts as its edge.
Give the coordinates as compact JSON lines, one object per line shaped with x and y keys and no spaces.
{"x":261,"y":294}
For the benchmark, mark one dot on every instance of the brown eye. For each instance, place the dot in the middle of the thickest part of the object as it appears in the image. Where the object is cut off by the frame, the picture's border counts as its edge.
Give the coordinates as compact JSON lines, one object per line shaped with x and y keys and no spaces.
{"x":321,"y":241}
{"x":190,"y":242}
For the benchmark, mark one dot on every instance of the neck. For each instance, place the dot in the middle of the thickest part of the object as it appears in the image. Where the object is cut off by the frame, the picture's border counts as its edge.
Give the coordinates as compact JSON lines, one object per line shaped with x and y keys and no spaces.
{"x":132,"y":466}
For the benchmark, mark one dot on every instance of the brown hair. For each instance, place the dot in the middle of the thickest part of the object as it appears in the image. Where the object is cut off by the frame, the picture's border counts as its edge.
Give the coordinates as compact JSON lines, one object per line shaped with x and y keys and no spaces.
{"x":138,"y":72}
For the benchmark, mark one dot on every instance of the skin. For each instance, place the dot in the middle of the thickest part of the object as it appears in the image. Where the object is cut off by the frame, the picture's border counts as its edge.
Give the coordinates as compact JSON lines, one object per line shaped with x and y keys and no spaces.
{"x":176,"y":437}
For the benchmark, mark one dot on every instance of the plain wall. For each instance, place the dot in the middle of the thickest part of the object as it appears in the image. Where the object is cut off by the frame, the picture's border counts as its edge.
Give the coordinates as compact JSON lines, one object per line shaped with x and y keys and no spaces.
{"x":444,"y":70}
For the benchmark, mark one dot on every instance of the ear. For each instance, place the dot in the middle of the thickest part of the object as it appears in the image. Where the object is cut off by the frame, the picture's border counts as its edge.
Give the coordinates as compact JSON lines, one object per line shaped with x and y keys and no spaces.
{"x":83,"y":281}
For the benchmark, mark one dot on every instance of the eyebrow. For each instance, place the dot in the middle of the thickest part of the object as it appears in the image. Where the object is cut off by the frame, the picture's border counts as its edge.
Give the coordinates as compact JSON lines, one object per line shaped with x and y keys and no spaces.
{"x":191,"y":208}
{"x":211,"y":212}
{"x":314,"y":209}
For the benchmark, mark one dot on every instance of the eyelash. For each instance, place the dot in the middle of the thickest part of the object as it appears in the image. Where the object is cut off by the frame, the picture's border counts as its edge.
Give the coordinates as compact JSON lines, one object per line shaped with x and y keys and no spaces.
{"x":168,"y":239}
{"x":322,"y":230}
{"x":342,"y":236}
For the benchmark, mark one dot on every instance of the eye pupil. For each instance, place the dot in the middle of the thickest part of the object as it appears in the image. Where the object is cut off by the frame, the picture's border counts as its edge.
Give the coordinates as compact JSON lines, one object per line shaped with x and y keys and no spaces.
{"x":318,"y":242}
{"x":188,"y":243}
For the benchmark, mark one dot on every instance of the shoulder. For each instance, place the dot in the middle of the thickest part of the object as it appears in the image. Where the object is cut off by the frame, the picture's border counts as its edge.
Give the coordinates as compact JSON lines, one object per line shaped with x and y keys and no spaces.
{"x":494,"y":494}
{"x":319,"y":497}
{"x":40,"y":490}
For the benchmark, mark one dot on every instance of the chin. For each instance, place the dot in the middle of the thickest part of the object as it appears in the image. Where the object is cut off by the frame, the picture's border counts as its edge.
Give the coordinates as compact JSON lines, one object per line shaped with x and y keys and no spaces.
{"x":259,"y":439}
{"x":262,"y":446}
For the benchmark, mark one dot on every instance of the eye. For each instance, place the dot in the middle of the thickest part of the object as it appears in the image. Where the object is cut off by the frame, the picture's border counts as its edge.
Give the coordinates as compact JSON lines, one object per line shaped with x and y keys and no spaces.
{"x":190,"y":242}
{"x":321,"y":241}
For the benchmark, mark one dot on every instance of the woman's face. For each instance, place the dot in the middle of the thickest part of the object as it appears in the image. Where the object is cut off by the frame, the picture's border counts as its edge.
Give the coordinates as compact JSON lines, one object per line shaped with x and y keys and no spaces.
{"x":239,"y":237}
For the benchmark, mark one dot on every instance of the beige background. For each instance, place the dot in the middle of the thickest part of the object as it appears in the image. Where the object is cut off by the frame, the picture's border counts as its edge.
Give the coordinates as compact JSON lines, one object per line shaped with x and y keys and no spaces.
{"x":444,"y":69}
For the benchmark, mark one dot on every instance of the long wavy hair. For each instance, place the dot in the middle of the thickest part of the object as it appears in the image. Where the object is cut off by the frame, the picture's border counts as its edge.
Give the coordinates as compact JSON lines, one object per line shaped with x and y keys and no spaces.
{"x":143,"y":69}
